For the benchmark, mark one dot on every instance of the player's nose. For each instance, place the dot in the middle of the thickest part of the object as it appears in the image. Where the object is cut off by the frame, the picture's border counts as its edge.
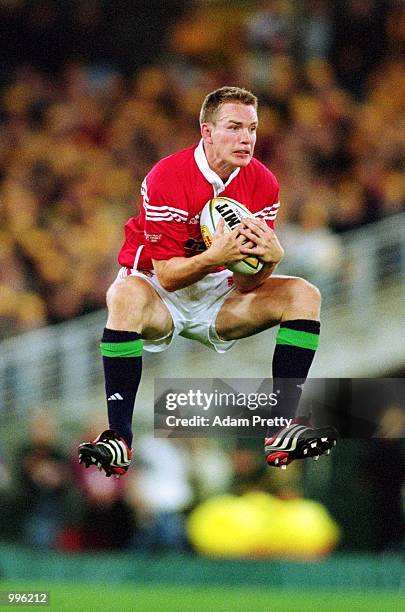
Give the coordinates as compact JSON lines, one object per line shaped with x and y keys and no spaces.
{"x":245,"y":137}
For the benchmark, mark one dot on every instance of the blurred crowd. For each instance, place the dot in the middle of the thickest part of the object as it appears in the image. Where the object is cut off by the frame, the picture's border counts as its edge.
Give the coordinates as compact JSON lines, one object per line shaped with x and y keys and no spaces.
{"x":75,"y":143}
{"x":199,"y":495}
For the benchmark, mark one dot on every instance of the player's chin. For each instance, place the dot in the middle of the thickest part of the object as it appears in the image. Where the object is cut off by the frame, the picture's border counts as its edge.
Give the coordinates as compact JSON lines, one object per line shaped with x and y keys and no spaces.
{"x":241,"y":159}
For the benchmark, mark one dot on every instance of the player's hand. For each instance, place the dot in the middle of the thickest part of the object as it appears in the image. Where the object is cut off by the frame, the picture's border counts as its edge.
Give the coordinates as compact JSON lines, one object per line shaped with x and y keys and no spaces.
{"x":226,"y":247}
{"x":263,"y":244}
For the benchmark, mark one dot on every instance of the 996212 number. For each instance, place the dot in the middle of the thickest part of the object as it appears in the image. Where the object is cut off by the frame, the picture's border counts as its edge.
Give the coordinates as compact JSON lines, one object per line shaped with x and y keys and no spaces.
{"x":10,"y":598}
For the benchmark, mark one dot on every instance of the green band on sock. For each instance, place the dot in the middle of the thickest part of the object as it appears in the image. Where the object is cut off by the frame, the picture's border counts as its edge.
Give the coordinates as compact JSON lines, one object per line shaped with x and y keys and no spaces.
{"x":133,"y":348}
{"x":295,"y":337}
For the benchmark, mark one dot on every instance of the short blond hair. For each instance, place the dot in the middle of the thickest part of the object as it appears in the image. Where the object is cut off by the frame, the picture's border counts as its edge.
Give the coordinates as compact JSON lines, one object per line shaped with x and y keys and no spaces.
{"x":214,"y":100}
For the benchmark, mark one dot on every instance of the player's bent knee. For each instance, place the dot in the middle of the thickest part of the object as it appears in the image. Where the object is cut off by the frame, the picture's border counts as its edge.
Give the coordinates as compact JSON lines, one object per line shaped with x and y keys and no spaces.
{"x":300,"y":289}
{"x":312,"y":292}
{"x":126,"y":293}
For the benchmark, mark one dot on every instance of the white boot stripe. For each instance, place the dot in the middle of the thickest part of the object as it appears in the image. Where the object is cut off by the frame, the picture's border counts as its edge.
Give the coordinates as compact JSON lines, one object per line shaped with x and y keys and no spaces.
{"x":287,"y":432}
{"x":118,"y":449}
{"x":288,"y":438}
{"x":123,"y":450}
{"x":119,"y":452}
{"x":290,"y":441}
{"x":112,"y":451}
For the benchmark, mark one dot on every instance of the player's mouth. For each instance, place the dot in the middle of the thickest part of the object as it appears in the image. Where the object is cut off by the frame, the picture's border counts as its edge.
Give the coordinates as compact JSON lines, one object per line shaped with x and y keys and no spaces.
{"x":242,"y":153}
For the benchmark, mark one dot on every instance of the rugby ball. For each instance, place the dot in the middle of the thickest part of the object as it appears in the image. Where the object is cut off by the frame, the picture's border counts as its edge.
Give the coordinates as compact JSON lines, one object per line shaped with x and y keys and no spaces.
{"x":232,"y":212}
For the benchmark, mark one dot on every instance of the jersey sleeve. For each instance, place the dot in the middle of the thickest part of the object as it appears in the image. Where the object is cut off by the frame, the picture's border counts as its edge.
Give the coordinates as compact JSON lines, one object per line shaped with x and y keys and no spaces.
{"x":166,"y":215}
{"x":271,"y":196}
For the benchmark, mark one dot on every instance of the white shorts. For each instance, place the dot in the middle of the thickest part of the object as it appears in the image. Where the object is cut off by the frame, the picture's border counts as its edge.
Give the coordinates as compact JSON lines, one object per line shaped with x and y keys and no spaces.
{"x":194,"y":309}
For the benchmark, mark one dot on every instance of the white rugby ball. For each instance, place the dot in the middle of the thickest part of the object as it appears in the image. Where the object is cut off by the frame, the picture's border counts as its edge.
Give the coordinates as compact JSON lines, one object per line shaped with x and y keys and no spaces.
{"x":231,"y":212}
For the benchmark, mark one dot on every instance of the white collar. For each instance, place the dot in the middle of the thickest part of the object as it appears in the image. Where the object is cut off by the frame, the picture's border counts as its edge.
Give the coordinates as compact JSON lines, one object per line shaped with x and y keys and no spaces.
{"x":211,"y":176}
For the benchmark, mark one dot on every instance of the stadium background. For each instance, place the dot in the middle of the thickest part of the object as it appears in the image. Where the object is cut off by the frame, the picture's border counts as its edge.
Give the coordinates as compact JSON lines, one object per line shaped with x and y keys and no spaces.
{"x":92,"y":94}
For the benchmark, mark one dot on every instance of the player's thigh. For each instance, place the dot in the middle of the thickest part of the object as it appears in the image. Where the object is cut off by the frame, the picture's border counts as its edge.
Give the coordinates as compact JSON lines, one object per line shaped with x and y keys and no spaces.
{"x":134,"y":302}
{"x":245,"y":314}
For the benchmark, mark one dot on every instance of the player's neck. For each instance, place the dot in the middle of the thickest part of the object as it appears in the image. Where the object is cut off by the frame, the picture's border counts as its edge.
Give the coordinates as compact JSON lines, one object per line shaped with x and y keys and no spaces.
{"x":224,"y":173}
{"x":222,"y":169}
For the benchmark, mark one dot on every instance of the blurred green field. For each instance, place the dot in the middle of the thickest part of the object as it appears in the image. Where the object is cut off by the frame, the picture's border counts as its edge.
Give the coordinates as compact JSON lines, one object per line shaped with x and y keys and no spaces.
{"x":81,"y":597}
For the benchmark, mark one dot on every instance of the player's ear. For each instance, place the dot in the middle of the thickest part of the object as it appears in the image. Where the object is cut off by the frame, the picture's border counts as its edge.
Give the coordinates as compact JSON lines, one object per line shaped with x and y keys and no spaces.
{"x":206,"y":132}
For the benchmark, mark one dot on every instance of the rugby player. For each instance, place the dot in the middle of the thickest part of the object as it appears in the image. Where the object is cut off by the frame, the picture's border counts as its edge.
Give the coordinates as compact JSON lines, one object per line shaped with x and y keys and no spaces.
{"x":170,"y":284}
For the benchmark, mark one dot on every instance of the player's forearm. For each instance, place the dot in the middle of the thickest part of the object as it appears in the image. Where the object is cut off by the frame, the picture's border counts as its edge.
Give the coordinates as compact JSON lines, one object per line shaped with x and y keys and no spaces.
{"x":179,"y":272}
{"x":245,"y":283}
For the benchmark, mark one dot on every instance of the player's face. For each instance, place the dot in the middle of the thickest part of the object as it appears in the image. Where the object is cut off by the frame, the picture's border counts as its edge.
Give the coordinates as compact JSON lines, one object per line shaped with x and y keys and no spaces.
{"x":232,"y":136}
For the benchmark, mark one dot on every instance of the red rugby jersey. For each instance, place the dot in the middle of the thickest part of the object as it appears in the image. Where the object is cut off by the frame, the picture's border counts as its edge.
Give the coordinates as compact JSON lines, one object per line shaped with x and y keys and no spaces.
{"x":172,"y":196}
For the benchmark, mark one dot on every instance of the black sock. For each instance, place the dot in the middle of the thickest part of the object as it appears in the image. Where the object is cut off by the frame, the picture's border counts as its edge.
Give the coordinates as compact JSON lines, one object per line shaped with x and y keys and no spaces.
{"x":296,"y":344}
{"x":122,"y":360}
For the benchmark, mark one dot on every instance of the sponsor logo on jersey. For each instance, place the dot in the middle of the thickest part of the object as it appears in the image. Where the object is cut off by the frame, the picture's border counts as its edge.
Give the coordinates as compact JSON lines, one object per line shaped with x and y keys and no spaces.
{"x":194,"y":220}
{"x":153,"y":237}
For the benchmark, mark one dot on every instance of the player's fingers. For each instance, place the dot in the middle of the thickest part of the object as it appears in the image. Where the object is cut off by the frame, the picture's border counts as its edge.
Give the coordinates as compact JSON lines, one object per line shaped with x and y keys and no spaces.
{"x":250,"y":235}
{"x":220,"y":228}
{"x":239,"y":257}
{"x":242,"y":241}
{"x":255,"y":250}
{"x":253,"y":227}
{"x":241,"y":238}
{"x":261,"y":223}
{"x":236,"y":230}
{"x":257,"y":225}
